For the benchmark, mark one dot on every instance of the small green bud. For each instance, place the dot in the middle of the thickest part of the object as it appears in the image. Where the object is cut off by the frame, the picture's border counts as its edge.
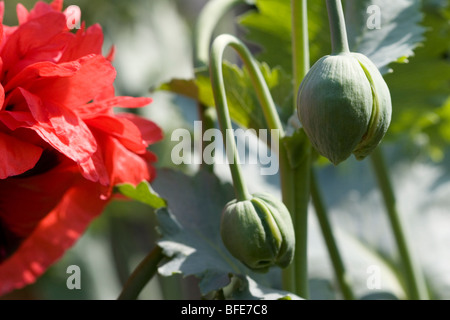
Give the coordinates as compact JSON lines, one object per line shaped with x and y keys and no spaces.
{"x":344,"y":106}
{"x":258,"y":232}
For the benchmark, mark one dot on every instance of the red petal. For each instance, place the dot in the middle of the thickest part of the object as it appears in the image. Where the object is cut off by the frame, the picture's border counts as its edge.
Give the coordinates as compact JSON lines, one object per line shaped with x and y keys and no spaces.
{"x":63,"y":130}
{"x":15,"y":120}
{"x":95,"y":75}
{"x":41,"y":8}
{"x":42,"y":192}
{"x":39,"y":70}
{"x":29,"y":38}
{"x":124,"y":166}
{"x":94,"y":169}
{"x":2,"y":11}
{"x":122,"y":129}
{"x":22,"y":13}
{"x":91,"y":110}
{"x":57,"y":5}
{"x":84,"y":42}
{"x":57,"y":232}
{"x":150,"y":132}
{"x":111,"y":54}
{"x":16,"y":156}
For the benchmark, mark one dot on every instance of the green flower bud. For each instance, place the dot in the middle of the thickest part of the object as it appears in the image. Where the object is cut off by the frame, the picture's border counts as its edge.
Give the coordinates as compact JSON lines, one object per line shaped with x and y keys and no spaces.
{"x":258,"y":232}
{"x":344,"y":106}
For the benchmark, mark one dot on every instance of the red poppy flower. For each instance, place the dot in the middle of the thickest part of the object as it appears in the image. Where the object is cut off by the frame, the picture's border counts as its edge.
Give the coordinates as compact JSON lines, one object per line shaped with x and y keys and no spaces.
{"x":62,"y":147}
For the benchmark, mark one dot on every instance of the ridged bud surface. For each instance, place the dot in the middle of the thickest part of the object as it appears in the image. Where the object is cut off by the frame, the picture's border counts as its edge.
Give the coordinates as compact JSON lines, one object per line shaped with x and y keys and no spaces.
{"x":258,"y":232}
{"x":344,"y":106}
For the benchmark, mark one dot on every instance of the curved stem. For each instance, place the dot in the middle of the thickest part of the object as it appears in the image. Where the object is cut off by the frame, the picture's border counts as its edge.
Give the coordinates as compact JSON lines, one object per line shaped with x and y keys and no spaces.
{"x":413,"y":276}
{"x":339,"y":40}
{"x":207,"y":21}
{"x":218,"y":47}
{"x":330,"y":241}
{"x":142,"y":275}
{"x":258,"y":81}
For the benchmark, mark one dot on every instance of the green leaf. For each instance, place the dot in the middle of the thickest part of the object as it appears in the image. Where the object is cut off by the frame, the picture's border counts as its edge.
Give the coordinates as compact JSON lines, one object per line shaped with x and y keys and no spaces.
{"x":185,"y":87}
{"x":421,"y":89}
{"x":242,"y":101}
{"x":387,"y":34}
{"x":399,"y":33}
{"x":269,"y":27}
{"x":190,"y":231}
{"x":143,"y":192}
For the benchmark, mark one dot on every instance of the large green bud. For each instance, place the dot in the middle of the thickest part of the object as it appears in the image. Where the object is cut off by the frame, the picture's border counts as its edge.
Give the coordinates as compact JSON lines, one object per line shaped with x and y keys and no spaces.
{"x":258,"y":232}
{"x":344,"y":106}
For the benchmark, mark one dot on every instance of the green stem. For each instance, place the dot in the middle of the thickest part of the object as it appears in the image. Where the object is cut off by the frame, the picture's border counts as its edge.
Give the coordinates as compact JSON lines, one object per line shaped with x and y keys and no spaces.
{"x":330,"y":241}
{"x":259,"y":84}
{"x":218,"y":47}
{"x":207,"y":121}
{"x":142,"y":275}
{"x":414,"y":278}
{"x":207,"y":21}
{"x":300,"y":42}
{"x":296,"y":194}
{"x":204,"y":28}
{"x":339,"y":42}
{"x":295,"y":181}
{"x":287,"y":181}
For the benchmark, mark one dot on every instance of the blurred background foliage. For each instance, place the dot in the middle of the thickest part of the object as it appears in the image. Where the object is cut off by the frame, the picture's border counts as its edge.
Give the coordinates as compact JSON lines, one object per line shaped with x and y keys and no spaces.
{"x":153,"y":40}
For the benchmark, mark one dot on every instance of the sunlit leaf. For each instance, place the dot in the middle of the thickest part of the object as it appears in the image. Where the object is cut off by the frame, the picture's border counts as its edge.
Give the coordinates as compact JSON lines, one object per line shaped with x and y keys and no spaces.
{"x":385,"y":31}
{"x":143,"y":192}
{"x":190,"y":232}
{"x":420,"y":89}
{"x":394,"y":39}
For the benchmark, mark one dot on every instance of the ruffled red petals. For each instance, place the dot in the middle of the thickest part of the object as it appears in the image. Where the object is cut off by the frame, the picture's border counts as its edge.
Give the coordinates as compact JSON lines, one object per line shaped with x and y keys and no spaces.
{"x":62,"y":146}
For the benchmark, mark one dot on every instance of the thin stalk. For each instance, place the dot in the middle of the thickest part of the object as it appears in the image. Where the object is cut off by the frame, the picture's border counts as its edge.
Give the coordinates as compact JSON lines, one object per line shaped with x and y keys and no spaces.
{"x":207,"y":121}
{"x":142,"y":275}
{"x":209,"y":17}
{"x":218,"y":47}
{"x":300,"y":42}
{"x":287,"y":182}
{"x":295,"y":182}
{"x":330,"y":241}
{"x":413,"y":276}
{"x":207,"y":21}
{"x":339,"y":42}
{"x":259,"y":84}
{"x":296,"y":194}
